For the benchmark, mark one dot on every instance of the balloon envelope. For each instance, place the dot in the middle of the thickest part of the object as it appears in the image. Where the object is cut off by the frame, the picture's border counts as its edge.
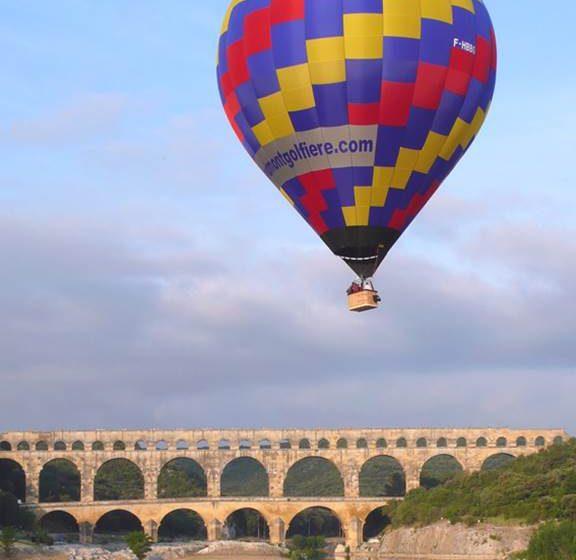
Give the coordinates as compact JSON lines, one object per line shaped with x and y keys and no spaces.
{"x":357,"y":110}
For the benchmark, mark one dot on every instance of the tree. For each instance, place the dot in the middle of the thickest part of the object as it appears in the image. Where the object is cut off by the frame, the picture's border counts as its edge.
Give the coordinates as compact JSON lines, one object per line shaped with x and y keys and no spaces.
{"x":7,"y":541}
{"x":139,"y":543}
{"x":307,"y":548}
{"x":553,"y":541}
{"x":8,"y":509}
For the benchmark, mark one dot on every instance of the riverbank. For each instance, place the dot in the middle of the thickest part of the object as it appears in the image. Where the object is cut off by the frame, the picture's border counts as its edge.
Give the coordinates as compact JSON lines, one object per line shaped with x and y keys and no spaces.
{"x":213,"y":551}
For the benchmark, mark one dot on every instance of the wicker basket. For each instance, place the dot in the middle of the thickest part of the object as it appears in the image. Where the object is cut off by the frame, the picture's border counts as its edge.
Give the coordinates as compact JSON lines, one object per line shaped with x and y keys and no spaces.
{"x":363,"y":301}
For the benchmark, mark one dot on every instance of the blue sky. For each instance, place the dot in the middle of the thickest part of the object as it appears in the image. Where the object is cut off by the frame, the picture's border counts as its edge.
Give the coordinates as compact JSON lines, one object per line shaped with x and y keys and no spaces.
{"x":133,"y":229}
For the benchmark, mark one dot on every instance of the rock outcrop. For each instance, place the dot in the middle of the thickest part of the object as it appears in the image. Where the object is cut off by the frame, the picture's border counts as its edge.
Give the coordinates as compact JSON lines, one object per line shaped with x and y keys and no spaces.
{"x":482,"y":541}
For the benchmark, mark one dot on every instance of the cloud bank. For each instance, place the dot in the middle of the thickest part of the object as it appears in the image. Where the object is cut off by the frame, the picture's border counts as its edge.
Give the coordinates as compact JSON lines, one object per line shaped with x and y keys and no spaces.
{"x":101,"y":329}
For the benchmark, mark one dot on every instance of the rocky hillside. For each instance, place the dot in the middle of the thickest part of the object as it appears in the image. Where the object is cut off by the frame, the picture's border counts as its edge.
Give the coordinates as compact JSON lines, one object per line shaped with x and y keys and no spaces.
{"x":482,"y":541}
{"x":540,"y":487}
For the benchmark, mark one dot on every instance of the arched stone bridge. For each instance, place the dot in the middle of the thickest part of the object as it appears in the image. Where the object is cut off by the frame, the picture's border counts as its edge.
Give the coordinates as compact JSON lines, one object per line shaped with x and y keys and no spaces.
{"x":350,"y":450}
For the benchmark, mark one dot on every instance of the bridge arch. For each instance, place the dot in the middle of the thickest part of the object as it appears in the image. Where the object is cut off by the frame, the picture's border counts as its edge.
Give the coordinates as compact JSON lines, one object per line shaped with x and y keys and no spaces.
{"x":5,"y":446}
{"x":314,"y":477}
{"x":245,"y":444}
{"x":376,"y":521}
{"x":246,"y":523}
{"x":78,"y":446}
{"x":481,"y":442}
{"x":182,"y":524}
{"x":162,"y":445}
{"x":13,"y":478}
{"x":182,"y":477}
{"x":59,"y":482}
{"x":421,"y":443}
{"x":61,"y":525}
{"x":116,"y":524}
{"x":501,"y":442}
{"x":439,"y":469}
{"x":381,"y":443}
{"x":497,"y":461}
{"x":23,"y":446}
{"x":382,"y":476}
{"x":316,"y":521}
{"x":244,"y":477}
{"x":119,"y":479}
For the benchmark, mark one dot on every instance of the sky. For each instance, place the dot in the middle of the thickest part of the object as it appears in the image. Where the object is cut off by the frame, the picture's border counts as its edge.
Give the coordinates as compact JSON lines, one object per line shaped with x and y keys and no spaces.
{"x":152,"y":277}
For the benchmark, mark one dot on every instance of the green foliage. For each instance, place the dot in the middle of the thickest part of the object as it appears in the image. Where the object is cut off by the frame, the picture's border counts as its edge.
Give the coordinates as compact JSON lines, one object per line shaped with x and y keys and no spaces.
{"x":26,"y":520}
{"x":553,"y":541}
{"x":8,"y":541}
{"x":439,"y":470}
{"x":182,"y":525}
{"x":314,"y":522}
{"x":244,"y":477}
{"x":12,"y":478}
{"x":247,"y":524}
{"x":60,"y":482}
{"x":9,"y":509}
{"x":535,"y":488}
{"x":139,"y":543}
{"x":382,"y":476}
{"x":119,"y":479}
{"x":307,"y":548}
{"x":314,"y":477}
{"x":12,"y":515}
{"x":40,"y":536}
{"x":182,"y":478}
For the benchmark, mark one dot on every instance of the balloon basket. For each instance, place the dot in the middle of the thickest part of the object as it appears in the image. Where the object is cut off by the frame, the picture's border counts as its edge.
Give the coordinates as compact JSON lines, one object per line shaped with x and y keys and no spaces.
{"x":364,"y":300}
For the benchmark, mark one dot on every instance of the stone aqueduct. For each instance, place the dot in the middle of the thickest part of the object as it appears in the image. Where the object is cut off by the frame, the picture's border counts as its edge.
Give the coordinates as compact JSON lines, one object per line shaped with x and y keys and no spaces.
{"x":277,"y":450}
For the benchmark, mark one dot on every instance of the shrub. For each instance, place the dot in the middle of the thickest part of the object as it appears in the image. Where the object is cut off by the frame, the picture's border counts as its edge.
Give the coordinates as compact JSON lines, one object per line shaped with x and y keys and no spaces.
{"x":553,"y":541}
{"x":532,"y":489}
{"x":40,"y":536}
{"x":8,"y":541}
{"x":139,"y":543}
{"x":307,"y":548}
{"x":8,"y":509}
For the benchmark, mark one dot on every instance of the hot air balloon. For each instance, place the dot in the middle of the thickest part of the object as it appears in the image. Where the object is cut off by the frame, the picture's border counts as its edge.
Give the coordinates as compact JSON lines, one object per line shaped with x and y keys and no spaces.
{"x":357,"y":110}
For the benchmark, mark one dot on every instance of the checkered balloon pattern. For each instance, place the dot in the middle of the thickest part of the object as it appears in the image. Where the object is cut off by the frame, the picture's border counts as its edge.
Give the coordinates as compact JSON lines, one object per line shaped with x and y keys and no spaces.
{"x":357,"y":110}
